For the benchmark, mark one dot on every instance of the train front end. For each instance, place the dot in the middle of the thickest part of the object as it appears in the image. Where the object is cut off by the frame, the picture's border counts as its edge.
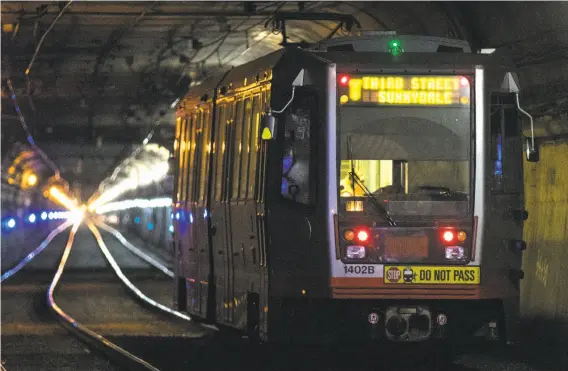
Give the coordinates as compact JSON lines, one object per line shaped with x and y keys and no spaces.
{"x":409,"y":211}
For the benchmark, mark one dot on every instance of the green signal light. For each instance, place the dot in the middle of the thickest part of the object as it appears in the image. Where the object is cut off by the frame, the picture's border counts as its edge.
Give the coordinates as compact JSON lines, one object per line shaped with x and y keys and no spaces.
{"x":395,"y":48}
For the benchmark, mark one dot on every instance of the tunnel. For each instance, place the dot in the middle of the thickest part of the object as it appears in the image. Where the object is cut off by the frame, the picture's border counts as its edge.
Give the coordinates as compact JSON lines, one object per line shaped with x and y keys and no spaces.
{"x":242,"y":184}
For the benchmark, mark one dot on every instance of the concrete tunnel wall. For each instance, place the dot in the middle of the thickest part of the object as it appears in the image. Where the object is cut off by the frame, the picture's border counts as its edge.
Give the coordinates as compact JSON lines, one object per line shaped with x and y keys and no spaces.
{"x":544,"y":290}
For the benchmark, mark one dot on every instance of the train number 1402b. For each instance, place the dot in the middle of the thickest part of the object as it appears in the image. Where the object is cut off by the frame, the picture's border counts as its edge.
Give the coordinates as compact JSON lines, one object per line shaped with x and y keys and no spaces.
{"x":359,"y":269}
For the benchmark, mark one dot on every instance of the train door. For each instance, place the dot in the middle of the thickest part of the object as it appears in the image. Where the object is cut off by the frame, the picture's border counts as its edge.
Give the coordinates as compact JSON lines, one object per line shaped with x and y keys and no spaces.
{"x":292,"y":215}
{"x":260,"y":202}
{"x":507,"y":195}
{"x":220,"y":237}
{"x":234,"y":150}
{"x":242,"y":208}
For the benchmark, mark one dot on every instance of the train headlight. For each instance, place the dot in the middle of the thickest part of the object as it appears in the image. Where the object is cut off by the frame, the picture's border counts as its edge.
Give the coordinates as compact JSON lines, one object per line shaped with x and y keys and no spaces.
{"x":455,"y":253}
{"x":355,"y":252}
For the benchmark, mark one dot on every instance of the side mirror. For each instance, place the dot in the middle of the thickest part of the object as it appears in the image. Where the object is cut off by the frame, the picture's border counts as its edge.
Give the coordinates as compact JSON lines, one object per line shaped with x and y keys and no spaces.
{"x":268,"y":127}
{"x":532,"y":153}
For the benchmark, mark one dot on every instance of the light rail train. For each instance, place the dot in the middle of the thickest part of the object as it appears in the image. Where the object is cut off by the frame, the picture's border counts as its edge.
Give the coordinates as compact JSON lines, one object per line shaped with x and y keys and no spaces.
{"x":367,"y":187}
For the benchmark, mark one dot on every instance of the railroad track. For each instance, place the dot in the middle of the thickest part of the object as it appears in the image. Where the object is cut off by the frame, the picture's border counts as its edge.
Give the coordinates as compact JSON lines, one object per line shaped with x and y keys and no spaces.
{"x":217,"y":354}
{"x":95,"y":340}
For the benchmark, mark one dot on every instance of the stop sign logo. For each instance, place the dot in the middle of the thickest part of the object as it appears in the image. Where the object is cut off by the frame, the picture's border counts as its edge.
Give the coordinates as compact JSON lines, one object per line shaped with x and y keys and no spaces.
{"x":393,"y":274}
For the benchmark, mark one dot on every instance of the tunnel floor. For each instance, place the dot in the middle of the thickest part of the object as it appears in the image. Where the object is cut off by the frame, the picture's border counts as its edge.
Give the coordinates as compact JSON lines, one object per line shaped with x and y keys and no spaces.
{"x":89,"y":291}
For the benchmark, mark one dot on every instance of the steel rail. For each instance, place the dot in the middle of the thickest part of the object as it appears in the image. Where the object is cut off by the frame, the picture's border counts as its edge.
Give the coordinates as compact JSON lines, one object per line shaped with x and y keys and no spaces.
{"x":135,"y":250}
{"x":12,"y":271}
{"x":93,"y":339}
{"x":143,"y":298}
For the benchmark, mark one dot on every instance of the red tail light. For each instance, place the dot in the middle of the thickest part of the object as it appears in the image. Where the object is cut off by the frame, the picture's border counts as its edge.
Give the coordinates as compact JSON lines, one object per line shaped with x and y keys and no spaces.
{"x":363,"y":235}
{"x":344,"y":80}
{"x":448,"y":236}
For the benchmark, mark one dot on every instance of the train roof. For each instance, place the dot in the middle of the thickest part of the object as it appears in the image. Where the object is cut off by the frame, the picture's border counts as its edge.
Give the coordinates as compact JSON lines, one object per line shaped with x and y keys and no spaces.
{"x":262,"y":67}
{"x":235,"y":76}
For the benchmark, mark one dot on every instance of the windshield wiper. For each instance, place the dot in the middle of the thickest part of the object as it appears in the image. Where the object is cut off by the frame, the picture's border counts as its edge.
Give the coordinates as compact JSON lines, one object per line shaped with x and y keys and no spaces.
{"x":380,"y":208}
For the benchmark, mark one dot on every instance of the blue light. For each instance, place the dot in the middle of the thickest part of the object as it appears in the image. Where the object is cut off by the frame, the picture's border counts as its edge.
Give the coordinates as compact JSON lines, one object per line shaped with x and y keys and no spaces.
{"x":150,"y":226}
{"x":11,"y":223}
{"x":172,"y":228}
{"x":32,"y":218}
{"x":50,"y":215}
{"x":177,"y":216}
{"x":191,"y":218}
{"x":498,"y":170}
{"x":205,"y":213}
{"x":43,"y":215}
{"x":137,"y":220}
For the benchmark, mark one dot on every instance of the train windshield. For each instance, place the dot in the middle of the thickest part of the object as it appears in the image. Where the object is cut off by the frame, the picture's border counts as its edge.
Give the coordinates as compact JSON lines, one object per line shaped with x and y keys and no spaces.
{"x":407,"y":155}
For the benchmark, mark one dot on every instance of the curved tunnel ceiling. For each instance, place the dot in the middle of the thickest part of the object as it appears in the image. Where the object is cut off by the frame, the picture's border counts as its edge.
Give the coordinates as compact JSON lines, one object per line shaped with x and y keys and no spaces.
{"x":117,"y":65}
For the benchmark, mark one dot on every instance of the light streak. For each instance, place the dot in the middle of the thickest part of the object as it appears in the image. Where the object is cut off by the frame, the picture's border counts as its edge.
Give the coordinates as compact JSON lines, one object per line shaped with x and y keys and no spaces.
{"x":134,"y":203}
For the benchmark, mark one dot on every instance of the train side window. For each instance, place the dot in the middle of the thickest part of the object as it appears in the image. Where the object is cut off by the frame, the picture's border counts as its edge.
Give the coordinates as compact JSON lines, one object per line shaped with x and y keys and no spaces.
{"x":300,"y":120}
{"x":205,"y":150}
{"x":179,"y":123}
{"x":237,"y":150}
{"x":230,"y":122}
{"x":219,"y":150}
{"x":259,"y":195}
{"x":197,"y":148}
{"x":245,"y":151}
{"x":191,"y":155}
{"x":185,"y":158}
{"x":254,"y":145}
{"x":181,"y":145}
{"x":506,"y":143}
{"x":496,"y":144}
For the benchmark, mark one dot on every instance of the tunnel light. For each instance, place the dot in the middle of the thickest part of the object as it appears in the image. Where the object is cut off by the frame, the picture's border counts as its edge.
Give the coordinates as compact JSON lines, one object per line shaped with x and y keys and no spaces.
{"x":171,"y":228}
{"x":32,"y":218}
{"x":487,"y":51}
{"x":44,"y":215}
{"x":50,"y":216}
{"x":31,"y":180}
{"x":113,"y":219}
{"x":11,"y":223}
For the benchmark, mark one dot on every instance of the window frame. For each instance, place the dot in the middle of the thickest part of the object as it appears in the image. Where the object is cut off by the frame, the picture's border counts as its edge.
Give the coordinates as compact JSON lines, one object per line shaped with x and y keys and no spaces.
{"x":315,"y":123}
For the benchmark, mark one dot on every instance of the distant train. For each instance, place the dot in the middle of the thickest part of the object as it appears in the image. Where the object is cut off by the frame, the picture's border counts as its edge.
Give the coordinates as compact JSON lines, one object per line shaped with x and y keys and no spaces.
{"x":368,"y":187}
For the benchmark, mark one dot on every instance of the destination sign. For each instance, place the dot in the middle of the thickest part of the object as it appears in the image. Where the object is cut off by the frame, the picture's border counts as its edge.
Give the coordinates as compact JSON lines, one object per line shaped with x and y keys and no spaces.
{"x":405,"y":90}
